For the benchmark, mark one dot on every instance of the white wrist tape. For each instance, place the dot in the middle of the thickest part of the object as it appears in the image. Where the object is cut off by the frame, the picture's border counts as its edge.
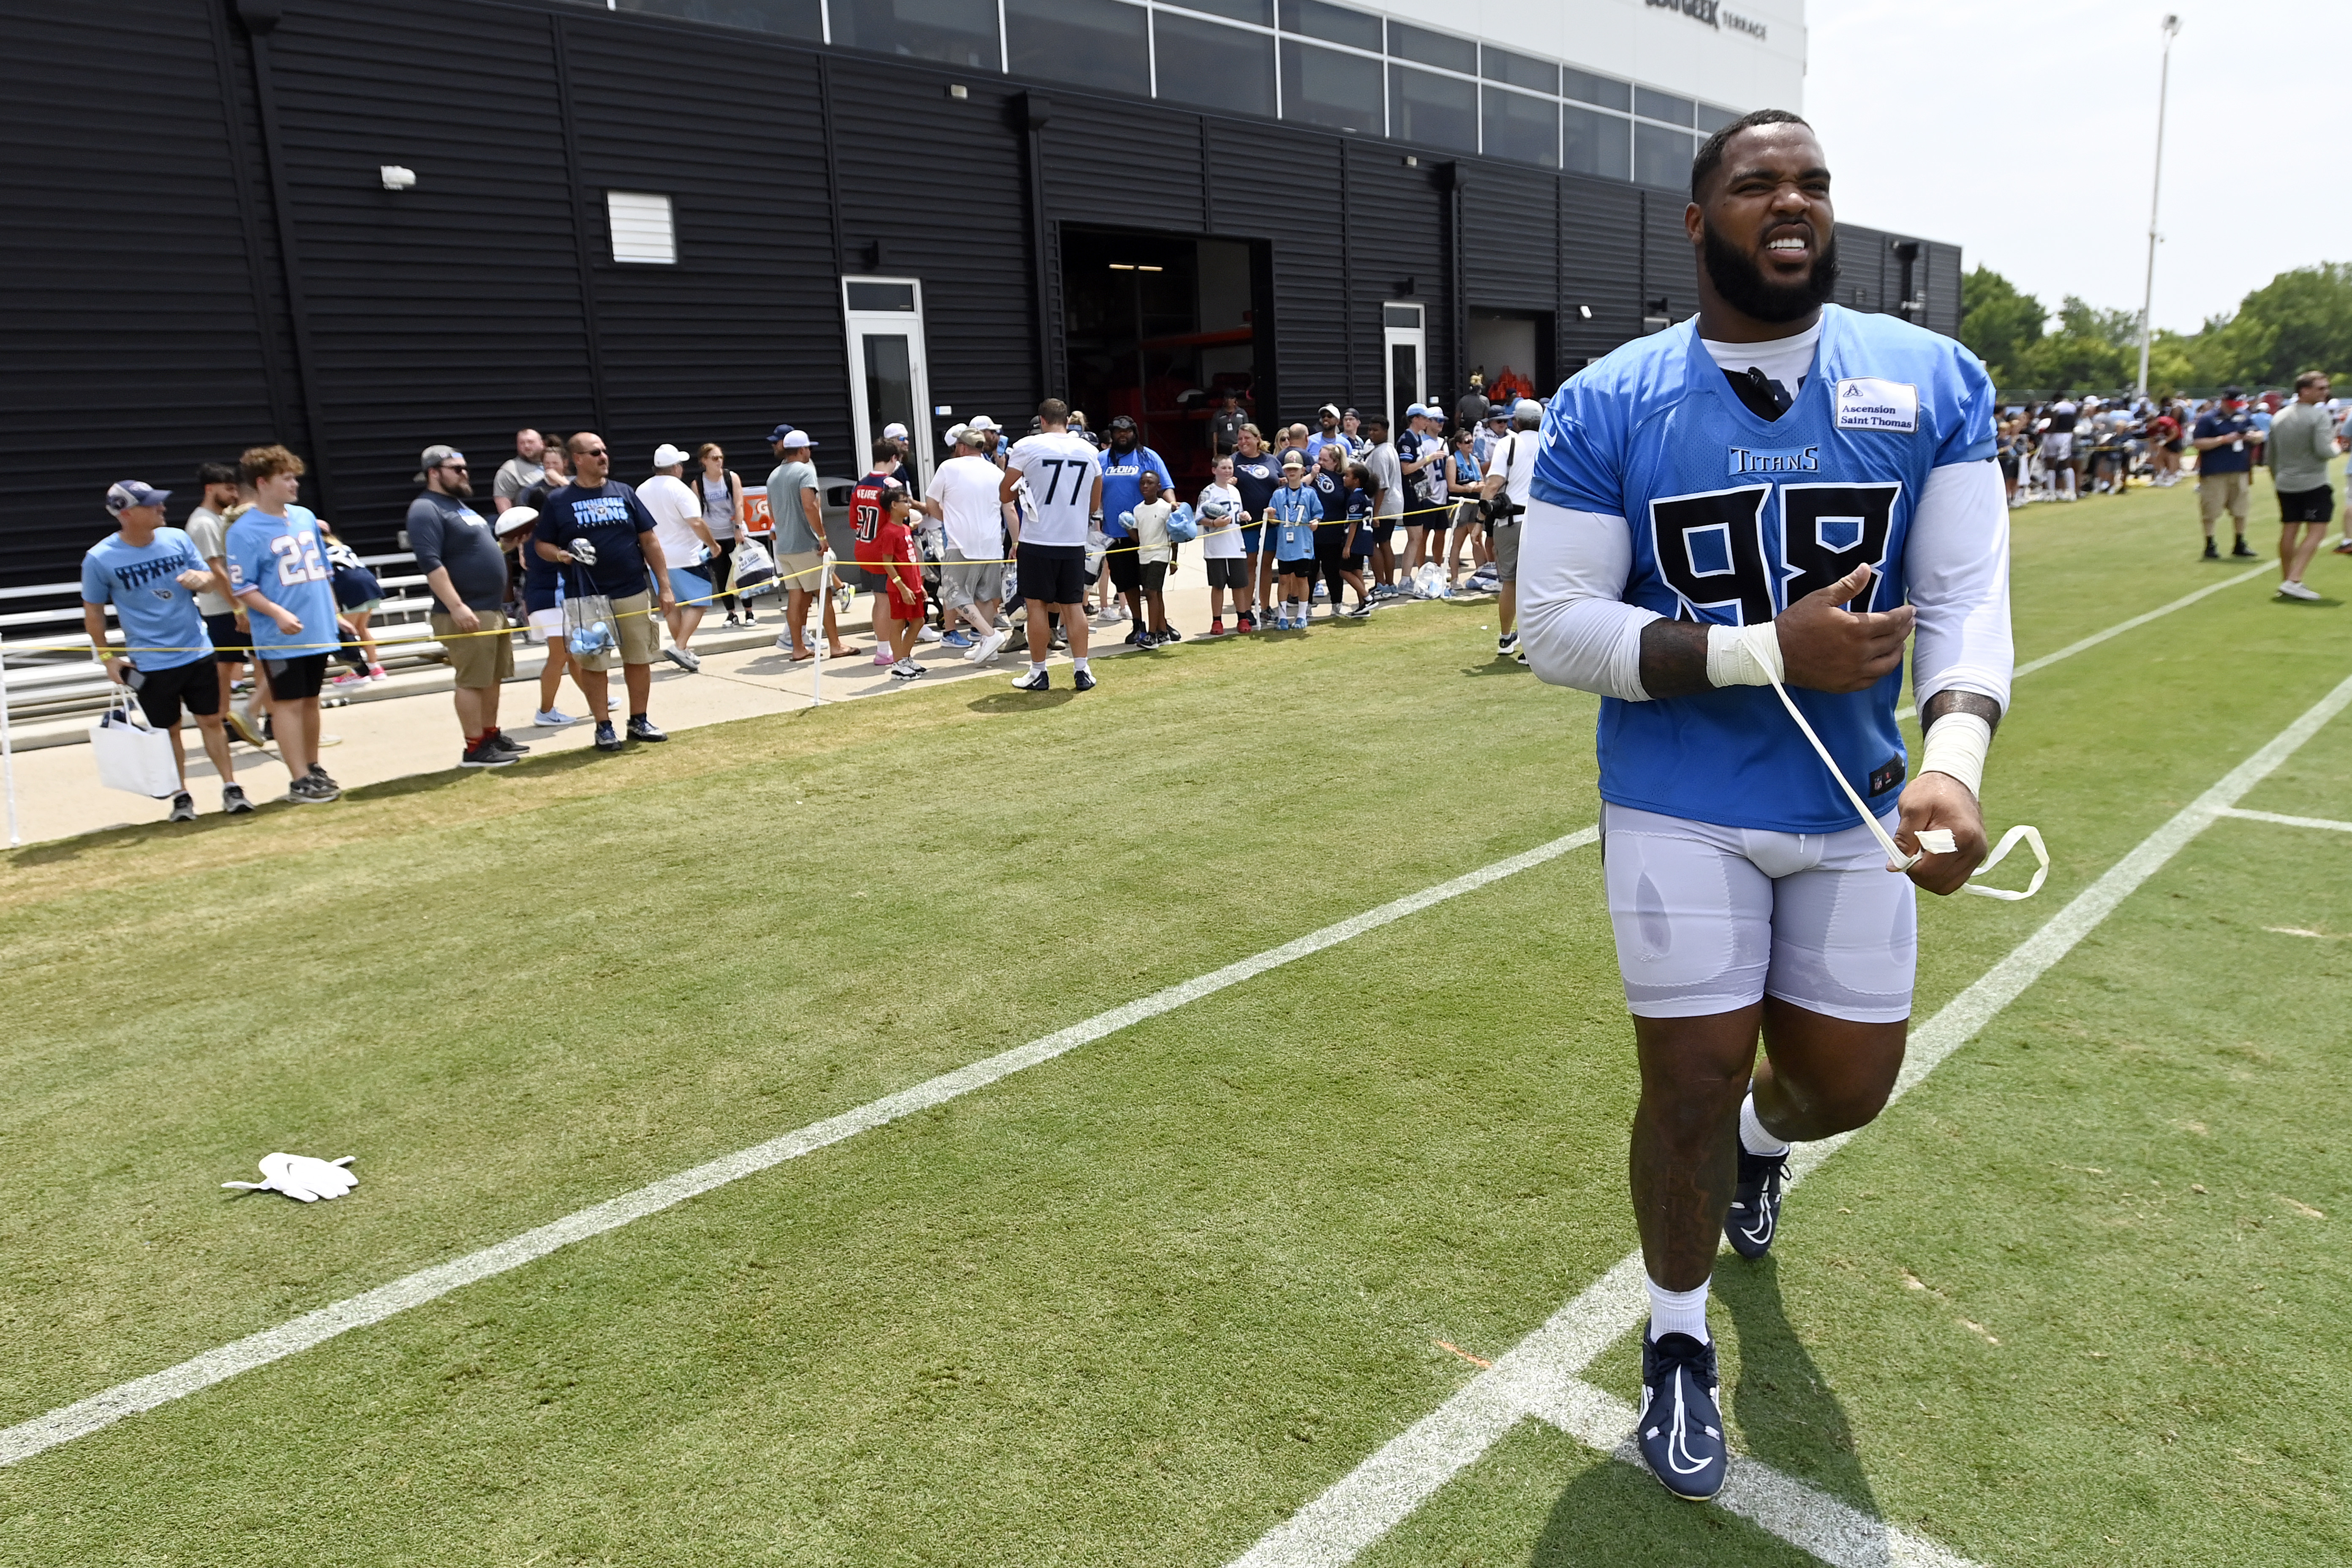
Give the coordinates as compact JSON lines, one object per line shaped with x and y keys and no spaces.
{"x":1956,"y":746}
{"x":1744,"y":656}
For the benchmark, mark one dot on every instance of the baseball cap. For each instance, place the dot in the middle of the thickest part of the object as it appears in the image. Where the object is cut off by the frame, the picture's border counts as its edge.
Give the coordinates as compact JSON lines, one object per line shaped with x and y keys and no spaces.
{"x":1410,"y":409}
{"x":432,"y":458}
{"x":2236,"y":393}
{"x":955,"y":433}
{"x":1293,"y":460}
{"x":125,"y":493}
{"x":666,"y":454}
{"x":789,"y":438}
{"x":516,"y":517}
{"x":777,"y":434}
{"x":1122,"y":422}
{"x":894,"y":431}
{"x":981,"y":422}
{"x":1527,"y":406}
{"x":1330,"y":408}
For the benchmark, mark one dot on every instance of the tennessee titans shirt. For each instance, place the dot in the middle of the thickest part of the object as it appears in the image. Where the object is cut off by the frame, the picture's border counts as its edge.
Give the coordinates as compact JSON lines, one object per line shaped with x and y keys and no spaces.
{"x":286,"y":560}
{"x":608,"y":516}
{"x":162,"y":627}
{"x":1295,"y":513}
{"x":1733,"y":518}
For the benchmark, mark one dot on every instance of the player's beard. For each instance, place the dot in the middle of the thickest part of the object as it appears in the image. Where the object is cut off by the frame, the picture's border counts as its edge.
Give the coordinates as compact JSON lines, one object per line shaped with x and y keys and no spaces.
{"x":1743,"y":286}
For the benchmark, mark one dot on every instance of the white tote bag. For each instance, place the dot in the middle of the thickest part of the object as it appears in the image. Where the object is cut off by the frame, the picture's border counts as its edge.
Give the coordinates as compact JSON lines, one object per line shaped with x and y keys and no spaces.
{"x":132,"y":755}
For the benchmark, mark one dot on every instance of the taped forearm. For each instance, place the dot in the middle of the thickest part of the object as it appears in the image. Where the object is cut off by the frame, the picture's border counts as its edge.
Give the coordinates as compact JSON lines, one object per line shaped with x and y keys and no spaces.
{"x":1574,"y":623}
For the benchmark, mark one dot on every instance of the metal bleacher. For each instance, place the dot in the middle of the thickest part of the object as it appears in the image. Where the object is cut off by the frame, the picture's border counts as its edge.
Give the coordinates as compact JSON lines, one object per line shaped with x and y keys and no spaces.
{"x":50,"y":674}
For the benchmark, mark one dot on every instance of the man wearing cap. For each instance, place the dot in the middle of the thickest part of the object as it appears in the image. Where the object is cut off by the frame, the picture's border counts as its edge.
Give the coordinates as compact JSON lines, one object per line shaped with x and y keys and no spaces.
{"x":2226,"y":440}
{"x":1328,"y":417}
{"x":904,"y":467}
{"x":1419,"y":456}
{"x":606,"y":515}
{"x":152,"y":575}
{"x":1225,"y":423}
{"x":1124,"y":463}
{"x":466,"y":571}
{"x":1506,"y":487}
{"x":799,"y":519}
{"x":686,"y":542}
{"x":972,"y":579}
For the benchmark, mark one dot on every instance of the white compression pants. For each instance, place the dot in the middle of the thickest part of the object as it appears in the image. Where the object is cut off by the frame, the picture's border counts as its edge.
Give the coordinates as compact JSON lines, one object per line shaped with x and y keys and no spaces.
{"x":1710,"y":918}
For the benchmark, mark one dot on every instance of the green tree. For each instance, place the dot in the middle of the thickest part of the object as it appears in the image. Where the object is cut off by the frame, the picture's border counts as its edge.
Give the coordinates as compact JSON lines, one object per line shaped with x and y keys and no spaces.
{"x":1998,"y":323}
{"x":2299,"y":320}
{"x":2093,"y":349}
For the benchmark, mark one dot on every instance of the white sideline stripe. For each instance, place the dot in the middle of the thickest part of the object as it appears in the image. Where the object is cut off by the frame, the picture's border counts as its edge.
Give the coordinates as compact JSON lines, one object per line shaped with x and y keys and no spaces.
{"x":1804,"y":1516}
{"x":1373,"y":1498}
{"x":2289,"y":821}
{"x":2120,"y":628}
{"x":101,"y":1410}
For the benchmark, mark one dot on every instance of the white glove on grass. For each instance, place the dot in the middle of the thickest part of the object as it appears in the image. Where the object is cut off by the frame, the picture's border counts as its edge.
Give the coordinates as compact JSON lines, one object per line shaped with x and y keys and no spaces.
{"x":301,"y":1177}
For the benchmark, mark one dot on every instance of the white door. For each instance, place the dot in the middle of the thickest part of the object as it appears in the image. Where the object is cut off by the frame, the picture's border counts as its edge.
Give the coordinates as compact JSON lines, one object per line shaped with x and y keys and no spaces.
{"x":889,"y":382}
{"x":1405,"y":345}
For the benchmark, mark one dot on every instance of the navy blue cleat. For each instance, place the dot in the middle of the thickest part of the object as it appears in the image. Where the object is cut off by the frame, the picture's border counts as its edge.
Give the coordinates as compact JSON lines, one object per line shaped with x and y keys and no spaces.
{"x":1680,"y":1430}
{"x":1754,"y":1218}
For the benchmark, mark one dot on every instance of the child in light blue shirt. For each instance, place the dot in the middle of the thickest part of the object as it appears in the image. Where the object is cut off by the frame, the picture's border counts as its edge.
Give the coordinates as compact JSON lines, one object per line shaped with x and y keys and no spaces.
{"x":1294,"y":511}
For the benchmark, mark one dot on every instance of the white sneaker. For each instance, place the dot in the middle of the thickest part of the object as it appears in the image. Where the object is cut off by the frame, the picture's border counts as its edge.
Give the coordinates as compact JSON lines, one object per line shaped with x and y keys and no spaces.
{"x":984,"y":650}
{"x":2296,"y":591}
{"x":928,"y":633}
{"x":552,"y":718}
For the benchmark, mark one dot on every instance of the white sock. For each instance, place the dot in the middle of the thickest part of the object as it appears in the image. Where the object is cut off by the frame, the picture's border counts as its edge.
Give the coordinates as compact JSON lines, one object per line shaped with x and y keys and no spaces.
{"x":1035,"y":667}
{"x":1752,"y":1135}
{"x":1679,"y":1312}
{"x":1080,"y":664}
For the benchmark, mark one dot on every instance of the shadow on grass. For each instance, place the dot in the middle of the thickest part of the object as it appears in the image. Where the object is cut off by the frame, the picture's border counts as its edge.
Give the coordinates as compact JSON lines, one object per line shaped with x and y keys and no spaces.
{"x":1023,"y":701}
{"x":1785,"y":1417}
{"x":1501,"y":664}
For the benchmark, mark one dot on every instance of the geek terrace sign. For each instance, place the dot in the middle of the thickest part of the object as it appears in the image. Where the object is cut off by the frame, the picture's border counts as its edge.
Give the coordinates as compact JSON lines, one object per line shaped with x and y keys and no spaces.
{"x":1711,"y":14}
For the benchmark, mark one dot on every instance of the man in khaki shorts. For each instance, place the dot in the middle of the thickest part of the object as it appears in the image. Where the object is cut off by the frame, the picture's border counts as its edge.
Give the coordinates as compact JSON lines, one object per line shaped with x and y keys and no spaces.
{"x":467,"y":569}
{"x":597,"y":529}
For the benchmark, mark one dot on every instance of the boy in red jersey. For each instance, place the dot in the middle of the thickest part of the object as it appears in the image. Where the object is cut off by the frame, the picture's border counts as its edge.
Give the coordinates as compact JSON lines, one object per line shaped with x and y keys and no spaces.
{"x":898,"y":608}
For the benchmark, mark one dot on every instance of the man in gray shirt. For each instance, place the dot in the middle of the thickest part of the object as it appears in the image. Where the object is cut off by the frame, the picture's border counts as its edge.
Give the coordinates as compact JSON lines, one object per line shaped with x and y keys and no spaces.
{"x":521,"y":471}
{"x":1388,"y":510}
{"x":2302,"y":445}
{"x":799,"y":519}
{"x":466,"y":571}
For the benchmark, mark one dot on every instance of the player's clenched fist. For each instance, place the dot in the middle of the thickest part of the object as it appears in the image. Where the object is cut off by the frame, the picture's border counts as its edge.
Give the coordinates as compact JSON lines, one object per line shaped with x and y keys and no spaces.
{"x":1828,"y":648}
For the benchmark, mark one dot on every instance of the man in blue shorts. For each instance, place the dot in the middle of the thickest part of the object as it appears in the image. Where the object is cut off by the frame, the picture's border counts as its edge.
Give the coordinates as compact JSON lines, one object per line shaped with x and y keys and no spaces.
{"x":152,"y":575}
{"x":1778,"y":489}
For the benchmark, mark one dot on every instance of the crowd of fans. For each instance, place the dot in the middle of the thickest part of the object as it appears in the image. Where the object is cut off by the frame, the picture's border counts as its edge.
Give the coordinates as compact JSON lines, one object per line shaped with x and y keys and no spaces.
{"x":237,"y":617}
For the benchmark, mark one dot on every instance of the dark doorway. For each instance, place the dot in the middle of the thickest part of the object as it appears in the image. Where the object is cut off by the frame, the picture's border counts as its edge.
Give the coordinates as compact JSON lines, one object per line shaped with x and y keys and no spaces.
{"x":1159,"y":327}
{"x":1513,"y":349}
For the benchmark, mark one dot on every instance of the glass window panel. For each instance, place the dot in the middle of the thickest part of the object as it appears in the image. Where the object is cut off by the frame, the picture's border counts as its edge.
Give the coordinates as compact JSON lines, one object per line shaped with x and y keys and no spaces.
{"x":1596,"y":144}
{"x":791,"y":19}
{"x":1662,"y":106}
{"x":1332,"y":23}
{"x":1434,"y":110}
{"x":959,"y":32}
{"x":1260,"y":12}
{"x":889,"y":382}
{"x":1433,"y":48}
{"x":1712,"y":119}
{"x":1324,"y":86}
{"x":1501,"y":65}
{"x":1209,"y":66}
{"x":1662,"y":157}
{"x":881,"y":296}
{"x":1521,"y":127}
{"x":1400,"y":315}
{"x":1088,"y":42}
{"x":1586,"y":87}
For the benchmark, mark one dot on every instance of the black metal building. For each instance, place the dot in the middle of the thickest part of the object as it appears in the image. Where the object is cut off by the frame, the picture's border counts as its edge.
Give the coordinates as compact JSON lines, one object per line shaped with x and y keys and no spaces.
{"x":206,"y":249}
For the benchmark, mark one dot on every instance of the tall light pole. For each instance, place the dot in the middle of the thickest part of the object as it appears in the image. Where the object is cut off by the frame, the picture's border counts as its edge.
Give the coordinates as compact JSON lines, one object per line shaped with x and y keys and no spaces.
{"x":2155,"y":200}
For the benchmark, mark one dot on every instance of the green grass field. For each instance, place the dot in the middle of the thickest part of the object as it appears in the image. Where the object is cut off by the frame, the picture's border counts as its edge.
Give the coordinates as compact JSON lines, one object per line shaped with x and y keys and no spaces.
{"x":2078,"y":1298}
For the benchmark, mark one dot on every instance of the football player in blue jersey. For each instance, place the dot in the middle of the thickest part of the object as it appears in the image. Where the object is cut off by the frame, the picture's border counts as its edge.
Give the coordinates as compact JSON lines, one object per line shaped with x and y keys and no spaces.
{"x":1778,"y":487}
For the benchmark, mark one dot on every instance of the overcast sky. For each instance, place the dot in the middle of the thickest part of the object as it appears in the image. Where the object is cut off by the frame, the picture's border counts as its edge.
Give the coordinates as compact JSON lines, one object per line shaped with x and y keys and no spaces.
{"x":2024,"y":133}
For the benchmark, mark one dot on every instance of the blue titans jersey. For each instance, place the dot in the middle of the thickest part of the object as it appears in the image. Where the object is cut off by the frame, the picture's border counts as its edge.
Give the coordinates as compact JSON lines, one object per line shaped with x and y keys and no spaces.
{"x":1295,"y":513}
{"x":1733,"y":518}
{"x":162,"y":627}
{"x":286,"y":560}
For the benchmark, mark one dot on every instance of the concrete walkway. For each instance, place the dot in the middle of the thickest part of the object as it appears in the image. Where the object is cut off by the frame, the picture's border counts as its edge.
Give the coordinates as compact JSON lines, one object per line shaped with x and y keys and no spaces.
{"x":405,"y":726}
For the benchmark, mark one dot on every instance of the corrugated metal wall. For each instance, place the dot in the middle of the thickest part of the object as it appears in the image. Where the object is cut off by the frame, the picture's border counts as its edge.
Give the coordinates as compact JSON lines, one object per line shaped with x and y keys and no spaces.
{"x":165,"y":236}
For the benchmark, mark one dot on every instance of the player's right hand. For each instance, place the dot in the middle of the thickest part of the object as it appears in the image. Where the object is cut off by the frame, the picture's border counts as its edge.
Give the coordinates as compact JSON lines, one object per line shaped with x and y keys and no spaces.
{"x":1827,"y":648}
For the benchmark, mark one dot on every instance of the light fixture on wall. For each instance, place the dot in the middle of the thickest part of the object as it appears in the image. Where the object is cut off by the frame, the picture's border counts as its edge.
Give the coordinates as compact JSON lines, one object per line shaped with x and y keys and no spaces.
{"x":1584,"y":312}
{"x":957,"y":91}
{"x":396,"y":178}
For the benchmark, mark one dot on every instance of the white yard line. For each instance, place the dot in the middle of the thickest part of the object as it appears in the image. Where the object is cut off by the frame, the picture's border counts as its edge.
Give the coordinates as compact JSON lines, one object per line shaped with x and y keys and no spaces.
{"x":2329,"y":825}
{"x":101,"y":1410}
{"x":1527,"y":1379}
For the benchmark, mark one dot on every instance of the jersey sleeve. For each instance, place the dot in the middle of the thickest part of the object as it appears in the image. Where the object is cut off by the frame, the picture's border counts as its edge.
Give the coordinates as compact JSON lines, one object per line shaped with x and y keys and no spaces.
{"x":243,"y":573}
{"x":1580,"y":463}
{"x":1967,"y":437}
{"x":95,"y":588}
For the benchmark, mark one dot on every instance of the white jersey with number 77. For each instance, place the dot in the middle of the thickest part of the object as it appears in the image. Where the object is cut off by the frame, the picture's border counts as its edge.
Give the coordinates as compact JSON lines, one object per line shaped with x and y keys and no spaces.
{"x":1061,"y":470}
